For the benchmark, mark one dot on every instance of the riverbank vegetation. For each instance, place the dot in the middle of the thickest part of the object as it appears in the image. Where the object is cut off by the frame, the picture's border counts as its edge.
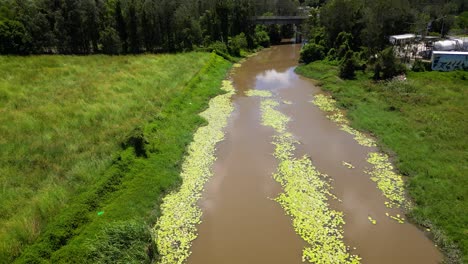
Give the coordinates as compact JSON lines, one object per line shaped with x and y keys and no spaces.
{"x":420,"y":123}
{"x":89,"y":145}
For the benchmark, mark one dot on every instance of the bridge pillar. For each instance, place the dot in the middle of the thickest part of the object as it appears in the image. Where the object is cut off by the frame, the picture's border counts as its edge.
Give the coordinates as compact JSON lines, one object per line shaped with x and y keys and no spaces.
{"x":297,"y":33}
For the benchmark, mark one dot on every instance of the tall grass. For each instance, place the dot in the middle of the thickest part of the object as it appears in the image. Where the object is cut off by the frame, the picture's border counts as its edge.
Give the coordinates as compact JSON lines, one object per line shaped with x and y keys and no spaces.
{"x":424,"y":122}
{"x":62,"y":118}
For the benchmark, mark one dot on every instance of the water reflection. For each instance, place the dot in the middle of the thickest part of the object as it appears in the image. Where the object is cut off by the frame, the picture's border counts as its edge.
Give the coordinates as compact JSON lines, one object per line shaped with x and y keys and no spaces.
{"x":272,"y":79}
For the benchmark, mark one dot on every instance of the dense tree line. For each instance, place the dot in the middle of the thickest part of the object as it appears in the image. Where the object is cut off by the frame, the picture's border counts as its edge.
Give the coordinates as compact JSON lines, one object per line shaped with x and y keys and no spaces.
{"x":128,"y":26}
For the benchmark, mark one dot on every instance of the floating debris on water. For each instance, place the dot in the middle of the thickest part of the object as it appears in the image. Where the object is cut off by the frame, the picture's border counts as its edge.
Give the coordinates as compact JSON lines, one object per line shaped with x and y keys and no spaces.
{"x":397,"y":218}
{"x":305,"y":196}
{"x":287,"y":102}
{"x":237,"y":65}
{"x":176,"y":228}
{"x":348,"y":165}
{"x":390,"y":183}
{"x":260,"y":93}
{"x":373,"y":221}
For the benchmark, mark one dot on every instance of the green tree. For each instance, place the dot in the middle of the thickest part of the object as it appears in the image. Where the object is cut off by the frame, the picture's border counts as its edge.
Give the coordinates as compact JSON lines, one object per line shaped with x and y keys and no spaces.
{"x":121,"y":26}
{"x":13,"y":37}
{"x":340,"y":16}
{"x":384,"y":18}
{"x":312,"y":52}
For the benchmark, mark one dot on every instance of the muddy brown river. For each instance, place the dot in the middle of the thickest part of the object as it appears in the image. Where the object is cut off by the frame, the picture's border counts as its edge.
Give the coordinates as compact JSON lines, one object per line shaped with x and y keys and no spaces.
{"x":241,"y":222}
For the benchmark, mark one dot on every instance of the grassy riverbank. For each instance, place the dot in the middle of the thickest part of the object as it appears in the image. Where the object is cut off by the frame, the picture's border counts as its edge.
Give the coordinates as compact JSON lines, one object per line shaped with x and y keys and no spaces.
{"x":423,"y":122}
{"x":88,"y":147}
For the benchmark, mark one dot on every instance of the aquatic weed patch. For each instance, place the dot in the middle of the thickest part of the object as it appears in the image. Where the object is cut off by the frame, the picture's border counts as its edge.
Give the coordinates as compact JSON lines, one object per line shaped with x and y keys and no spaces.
{"x":390,"y":183}
{"x":328,"y":104}
{"x":176,"y":228}
{"x":273,"y":118}
{"x":305,"y":196}
{"x":259,"y":93}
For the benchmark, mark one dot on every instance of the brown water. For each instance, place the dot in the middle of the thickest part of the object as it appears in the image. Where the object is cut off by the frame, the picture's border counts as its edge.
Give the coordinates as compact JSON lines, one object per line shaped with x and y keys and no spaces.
{"x":242,"y":224}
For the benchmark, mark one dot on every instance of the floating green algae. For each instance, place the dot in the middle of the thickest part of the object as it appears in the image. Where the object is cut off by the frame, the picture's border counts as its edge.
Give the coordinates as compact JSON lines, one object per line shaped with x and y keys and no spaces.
{"x":397,"y":218}
{"x":272,"y":117}
{"x":305,"y":196}
{"x":348,"y":165}
{"x":327,"y":104}
{"x":259,"y":93}
{"x":390,"y":183}
{"x":176,"y":228}
{"x":361,"y":138}
{"x":372,"y":220}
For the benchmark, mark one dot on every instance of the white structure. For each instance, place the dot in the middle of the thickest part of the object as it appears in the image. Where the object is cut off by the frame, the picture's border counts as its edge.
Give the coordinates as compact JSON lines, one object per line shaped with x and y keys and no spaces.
{"x":449,"y":60}
{"x":401,"y":39}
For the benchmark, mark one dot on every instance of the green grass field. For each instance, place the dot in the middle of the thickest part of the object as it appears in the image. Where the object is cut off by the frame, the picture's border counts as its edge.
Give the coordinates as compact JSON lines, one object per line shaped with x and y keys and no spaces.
{"x":82,"y":135}
{"x":424,"y":122}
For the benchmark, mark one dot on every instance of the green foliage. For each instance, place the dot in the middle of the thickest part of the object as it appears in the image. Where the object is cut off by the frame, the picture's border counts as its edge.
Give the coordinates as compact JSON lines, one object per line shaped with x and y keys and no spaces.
{"x":261,"y":37}
{"x":421,"y":121}
{"x":341,"y":16}
{"x":421,"y":66}
{"x":312,"y":52}
{"x":387,"y":65}
{"x":86,"y":107}
{"x":110,"y":41}
{"x":88,"y":26}
{"x":384,"y":18}
{"x":236,"y":44}
{"x":348,"y":66}
{"x":13,"y":37}
{"x":121,"y":242}
{"x":219,"y":47}
{"x":462,"y":20}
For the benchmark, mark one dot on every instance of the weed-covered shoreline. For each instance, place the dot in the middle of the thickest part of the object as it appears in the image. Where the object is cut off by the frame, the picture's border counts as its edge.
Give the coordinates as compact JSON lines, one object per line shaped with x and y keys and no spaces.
{"x":420,"y":123}
{"x":176,"y":228}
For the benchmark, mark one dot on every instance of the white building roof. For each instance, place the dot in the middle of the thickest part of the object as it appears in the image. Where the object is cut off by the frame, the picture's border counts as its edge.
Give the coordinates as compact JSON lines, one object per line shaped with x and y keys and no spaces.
{"x":403,"y":36}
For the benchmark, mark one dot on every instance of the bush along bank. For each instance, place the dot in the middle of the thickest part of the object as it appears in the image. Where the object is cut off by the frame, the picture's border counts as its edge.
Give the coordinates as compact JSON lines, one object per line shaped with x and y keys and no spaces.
{"x":419,"y":122}
{"x":111,"y":221}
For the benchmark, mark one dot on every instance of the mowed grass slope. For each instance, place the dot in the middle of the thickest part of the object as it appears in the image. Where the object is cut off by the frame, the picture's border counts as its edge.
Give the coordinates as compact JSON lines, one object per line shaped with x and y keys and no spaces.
{"x":61,"y":118}
{"x":424,"y":122}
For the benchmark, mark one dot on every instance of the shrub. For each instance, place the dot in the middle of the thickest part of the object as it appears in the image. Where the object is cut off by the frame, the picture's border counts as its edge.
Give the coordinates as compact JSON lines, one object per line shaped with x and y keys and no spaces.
{"x":420,"y":66}
{"x":312,"y":52}
{"x":331,"y":55}
{"x":218,"y":46}
{"x":236,"y":44}
{"x":261,"y":37}
{"x":348,"y":66}
{"x":387,"y":65}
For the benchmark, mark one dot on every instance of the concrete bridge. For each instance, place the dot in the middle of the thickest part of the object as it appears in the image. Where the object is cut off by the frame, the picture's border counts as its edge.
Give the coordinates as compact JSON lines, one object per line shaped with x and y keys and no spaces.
{"x":283,"y":20}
